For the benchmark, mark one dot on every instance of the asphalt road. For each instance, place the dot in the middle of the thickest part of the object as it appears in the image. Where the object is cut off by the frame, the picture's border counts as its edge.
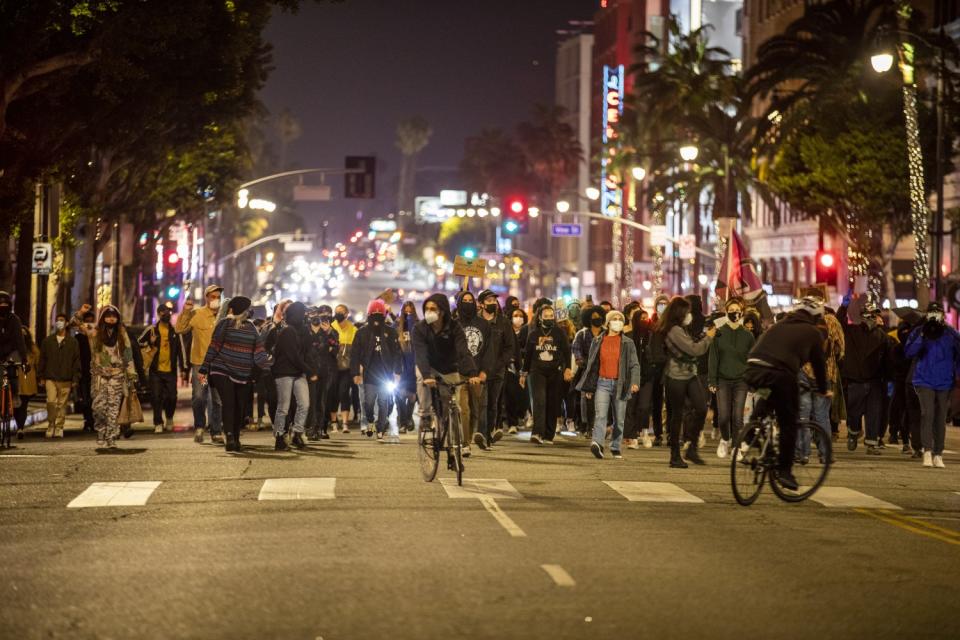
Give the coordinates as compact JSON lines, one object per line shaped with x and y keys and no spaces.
{"x":391,"y":556}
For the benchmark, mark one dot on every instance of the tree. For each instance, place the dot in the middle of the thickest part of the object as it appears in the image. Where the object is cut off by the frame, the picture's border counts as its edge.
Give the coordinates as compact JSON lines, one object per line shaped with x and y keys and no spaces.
{"x":413,"y":135}
{"x":551,"y":150}
{"x":493,"y":163}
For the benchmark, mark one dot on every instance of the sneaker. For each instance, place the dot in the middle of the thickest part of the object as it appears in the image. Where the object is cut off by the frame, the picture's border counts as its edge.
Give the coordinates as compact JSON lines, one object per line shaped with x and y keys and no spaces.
{"x":873,"y":450}
{"x":312,"y":436}
{"x":466,"y":451}
{"x":391,"y":439}
{"x":100,"y":440}
{"x":938,"y":462}
{"x":379,"y":435}
{"x":723,"y":449}
{"x":616,"y":455}
{"x":280,"y":444}
{"x":58,"y":432}
{"x":297,"y":441}
{"x":324,"y":435}
{"x":631,"y":443}
{"x":497,"y":435}
{"x":787,"y":481}
{"x":535,"y":439}
{"x":916,"y":454}
{"x":168,"y":424}
{"x":513,"y":431}
{"x":217,"y":438}
{"x":371,"y":429}
{"x":545,"y":441}
{"x":852,"y":441}
{"x":111,"y":443}
{"x":596,"y":450}
{"x":158,"y":428}
{"x":49,"y":433}
{"x":906,"y":448}
{"x":480,"y":441}
{"x":647,"y":441}
{"x":344,"y":428}
{"x":714,"y":434}
{"x":927,"y":459}
{"x":258,"y":425}
{"x":658,"y":441}
{"x":198,"y":434}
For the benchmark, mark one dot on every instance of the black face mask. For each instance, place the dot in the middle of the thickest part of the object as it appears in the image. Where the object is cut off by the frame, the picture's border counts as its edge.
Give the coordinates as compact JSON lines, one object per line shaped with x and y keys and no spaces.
{"x":4,"y":311}
{"x":164,"y":317}
{"x":340,"y":317}
{"x":548,"y":324}
{"x":733,"y":316}
{"x":376,"y":319}
{"x":596,"y":321}
{"x":324,"y":319}
{"x":467,"y":310}
{"x":315,"y":321}
{"x":490,"y":308}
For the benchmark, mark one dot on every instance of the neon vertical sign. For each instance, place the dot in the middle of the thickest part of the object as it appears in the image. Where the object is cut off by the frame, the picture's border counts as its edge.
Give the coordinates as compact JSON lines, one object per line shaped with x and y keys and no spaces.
{"x":611,"y":196}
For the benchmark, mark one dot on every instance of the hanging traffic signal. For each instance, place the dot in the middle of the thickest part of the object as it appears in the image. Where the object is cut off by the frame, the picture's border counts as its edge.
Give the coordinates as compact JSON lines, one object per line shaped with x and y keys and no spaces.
{"x":516,"y":219}
{"x":827,"y":267}
{"x":172,"y":292}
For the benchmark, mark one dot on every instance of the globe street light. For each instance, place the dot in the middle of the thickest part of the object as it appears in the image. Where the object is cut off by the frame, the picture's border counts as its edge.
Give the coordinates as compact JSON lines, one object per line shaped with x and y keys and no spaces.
{"x":689,"y":152}
{"x":639,"y":173}
{"x":881,"y":62}
{"x":592,"y":193}
{"x":563,"y":206}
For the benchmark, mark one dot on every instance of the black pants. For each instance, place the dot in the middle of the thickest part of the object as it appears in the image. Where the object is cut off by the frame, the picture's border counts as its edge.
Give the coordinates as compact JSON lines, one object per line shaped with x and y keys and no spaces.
{"x":785,"y":399}
{"x":864,"y":403}
{"x":494,"y":389}
{"x":905,"y":414}
{"x":163,"y":393}
{"x":692,"y":418}
{"x":316,"y":416}
{"x":342,"y":400}
{"x":20,"y":413}
{"x":233,"y":398}
{"x":684,"y":393}
{"x":516,"y":399}
{"x":546,"y":402}
{"x":86,"y":402}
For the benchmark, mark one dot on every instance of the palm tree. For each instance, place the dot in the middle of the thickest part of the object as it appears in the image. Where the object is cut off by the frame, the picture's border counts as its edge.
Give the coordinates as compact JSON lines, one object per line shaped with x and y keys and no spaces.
{"x":494,"y":163}
{"x":413,"y":134}
{"x":551,"y":149}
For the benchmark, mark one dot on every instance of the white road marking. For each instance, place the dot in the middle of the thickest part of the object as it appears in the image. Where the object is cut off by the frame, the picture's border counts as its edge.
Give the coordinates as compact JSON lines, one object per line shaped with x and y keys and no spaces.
{"x":505,"y":521}
{"x":559,"y":575}
{"x":23,"y":455}
{"x":478,"y":488}
{"x":114,"y":494}
{"x":841,"y":497}
{"x":298,"y":489}
{"x":652,"y":492}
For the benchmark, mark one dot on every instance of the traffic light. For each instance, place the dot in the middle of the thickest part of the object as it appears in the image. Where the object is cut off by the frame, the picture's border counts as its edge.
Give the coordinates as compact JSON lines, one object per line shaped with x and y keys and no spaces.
{"x":469,"y":253}
{"x":172,"y":272}
{"x":827,"y":268}
{"x":516,"y":219}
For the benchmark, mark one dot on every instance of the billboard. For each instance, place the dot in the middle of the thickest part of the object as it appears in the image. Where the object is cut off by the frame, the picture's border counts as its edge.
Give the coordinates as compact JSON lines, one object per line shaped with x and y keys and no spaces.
{"x":611,"y":195}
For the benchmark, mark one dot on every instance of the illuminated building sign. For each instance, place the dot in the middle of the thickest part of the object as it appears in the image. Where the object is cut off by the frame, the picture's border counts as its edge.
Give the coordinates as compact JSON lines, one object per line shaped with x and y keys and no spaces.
{"x":611,"y":196}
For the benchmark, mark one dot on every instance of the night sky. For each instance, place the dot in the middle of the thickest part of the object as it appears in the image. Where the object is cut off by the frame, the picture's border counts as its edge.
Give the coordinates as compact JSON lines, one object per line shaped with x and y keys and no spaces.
{"x":349,"y":72}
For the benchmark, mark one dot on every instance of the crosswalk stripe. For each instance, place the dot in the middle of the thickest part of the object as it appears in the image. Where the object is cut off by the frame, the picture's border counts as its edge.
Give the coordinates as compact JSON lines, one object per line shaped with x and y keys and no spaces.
{"x":652,"y":492}
{"x":298,"y":489}
{"x":114,"y":494}
{"x":479,"y":488}
{"x":842,"y":497}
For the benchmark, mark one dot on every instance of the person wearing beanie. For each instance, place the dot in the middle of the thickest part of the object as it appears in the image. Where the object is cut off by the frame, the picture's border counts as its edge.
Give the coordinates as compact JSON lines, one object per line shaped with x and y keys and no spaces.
{"x":612,"y":375}
{"x":292,"y":370}
{"x":935,"y":348}
{"x":376,"y":363}
{"x":229,"y":364}
{"x":472,"y":398}
{"x":198,"y":324}
{"x":324,"y":344}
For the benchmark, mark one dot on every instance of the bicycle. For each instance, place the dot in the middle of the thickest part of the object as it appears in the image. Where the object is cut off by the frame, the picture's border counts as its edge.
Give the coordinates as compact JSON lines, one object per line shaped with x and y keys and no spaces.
{"x":444,"y":434}
{"x":756,"y":451}
{"x":6,"y":403}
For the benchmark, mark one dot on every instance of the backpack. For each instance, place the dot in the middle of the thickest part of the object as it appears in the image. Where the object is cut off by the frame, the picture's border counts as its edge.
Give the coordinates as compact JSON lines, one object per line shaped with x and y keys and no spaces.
{"x":656,"y":351}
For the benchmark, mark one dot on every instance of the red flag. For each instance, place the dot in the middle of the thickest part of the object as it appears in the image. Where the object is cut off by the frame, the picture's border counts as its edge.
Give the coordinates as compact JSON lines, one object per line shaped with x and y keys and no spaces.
{"x":738,"y":273}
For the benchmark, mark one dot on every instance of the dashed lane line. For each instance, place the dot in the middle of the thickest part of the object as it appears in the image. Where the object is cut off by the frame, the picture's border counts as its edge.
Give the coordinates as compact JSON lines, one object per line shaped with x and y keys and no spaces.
{"x":559,"y":575}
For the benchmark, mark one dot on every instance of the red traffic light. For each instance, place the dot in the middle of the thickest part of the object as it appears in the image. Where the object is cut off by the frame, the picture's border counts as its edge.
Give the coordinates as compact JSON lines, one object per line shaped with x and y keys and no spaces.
{"x":826,"y":260}
{"x":173,"y":258}
{"x":516,"y":206}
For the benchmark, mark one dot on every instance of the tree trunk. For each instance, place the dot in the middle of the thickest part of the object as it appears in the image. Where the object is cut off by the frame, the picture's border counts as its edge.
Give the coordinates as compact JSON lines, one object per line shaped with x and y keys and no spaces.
{"x":21,"y":287}
{"x":6,"y":265}
{"x":85,"y":263}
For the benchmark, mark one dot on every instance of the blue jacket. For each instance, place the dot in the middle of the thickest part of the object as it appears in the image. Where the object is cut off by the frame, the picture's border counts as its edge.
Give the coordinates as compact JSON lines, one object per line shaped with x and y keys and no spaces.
{"x":937,"y":359}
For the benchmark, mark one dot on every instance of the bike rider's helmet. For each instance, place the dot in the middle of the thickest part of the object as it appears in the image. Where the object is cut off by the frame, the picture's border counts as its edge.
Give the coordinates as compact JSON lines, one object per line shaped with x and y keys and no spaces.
{"x":811,"y":304}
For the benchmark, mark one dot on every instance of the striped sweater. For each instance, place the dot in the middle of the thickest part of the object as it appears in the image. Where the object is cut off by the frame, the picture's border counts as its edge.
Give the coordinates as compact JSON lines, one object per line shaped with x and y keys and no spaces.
{"x":233,"y":351}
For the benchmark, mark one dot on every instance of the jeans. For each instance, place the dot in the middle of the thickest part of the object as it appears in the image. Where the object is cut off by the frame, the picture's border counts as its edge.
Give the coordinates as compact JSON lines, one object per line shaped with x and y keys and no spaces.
{"x":813,"y":408}
{"x":425,"y":393}
{"x":604,"y":396}
{"x":163,"y":395}
{"x":376,"y":395}
{"x":206,"y":404}
{"x":731,"y":398}
{"x":864,"y":401}
{"x":933,"y":418}
{"x":300,"y":390}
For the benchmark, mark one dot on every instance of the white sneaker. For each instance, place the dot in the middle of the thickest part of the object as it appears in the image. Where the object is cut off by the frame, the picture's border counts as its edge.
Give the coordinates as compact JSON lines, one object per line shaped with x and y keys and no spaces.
{"x":928,"y":459}
{"x":158,"y":428}
{"x":702,"y":442}
{"x":513,"y":431}
{"x":938,"y":462}
{"x":58,"y":432}
{"x":168,"y":424}
{"x":631,"y":444}
{"x":465,"y":451}
{"x":714,"y":434}
{"x":723,"y":449}
{"x":647,"y":441}
{"x":49,"y":433}
{"x":744,"y":449}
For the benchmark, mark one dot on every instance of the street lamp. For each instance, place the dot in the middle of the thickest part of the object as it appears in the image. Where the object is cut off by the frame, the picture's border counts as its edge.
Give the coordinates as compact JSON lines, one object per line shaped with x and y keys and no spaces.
{"x":563,"y":206}
{"x":533,"y":211}
{"x":592,"y":193}
{"x":881,"y":62}
{"x":689,"y":152}
{"x":639,"y":173}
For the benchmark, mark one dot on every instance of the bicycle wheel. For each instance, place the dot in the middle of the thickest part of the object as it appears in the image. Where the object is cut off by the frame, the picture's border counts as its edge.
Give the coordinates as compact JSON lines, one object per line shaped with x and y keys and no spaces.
{"x":748,"y":469}
{"x":427,"y":452}
{"x":811,"y":464}
{"x":456,"y":443}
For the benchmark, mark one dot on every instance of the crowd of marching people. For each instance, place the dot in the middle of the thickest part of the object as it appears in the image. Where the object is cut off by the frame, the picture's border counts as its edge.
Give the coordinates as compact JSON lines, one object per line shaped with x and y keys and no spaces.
{"x":622,"y":378}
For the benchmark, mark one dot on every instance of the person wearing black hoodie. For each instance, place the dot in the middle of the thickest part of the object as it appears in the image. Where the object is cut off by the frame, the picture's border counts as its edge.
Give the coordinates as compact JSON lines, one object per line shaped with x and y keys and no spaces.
{"x":473,"y":399}
{"x":440,"y":352}
{"x":864,"y":369}
{"x":292,"y":370}
{"x":376,"y":362}
{"x":325,"y":345}
{"x":499,"y":355}
{"x":546,"y":362}
{"x":905,"y":404}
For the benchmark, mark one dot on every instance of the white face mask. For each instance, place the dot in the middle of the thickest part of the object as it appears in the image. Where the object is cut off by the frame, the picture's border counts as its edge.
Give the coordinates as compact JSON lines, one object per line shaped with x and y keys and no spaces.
{"x":431,"y":316}
{"x":89,"y":326}
{"x":661,"y":308}
{"x":214,"y":304}
{"x":61,"y":325}
{"x":518,"y":322}
{"x":616,"y":326}
{"x":687,"y":319}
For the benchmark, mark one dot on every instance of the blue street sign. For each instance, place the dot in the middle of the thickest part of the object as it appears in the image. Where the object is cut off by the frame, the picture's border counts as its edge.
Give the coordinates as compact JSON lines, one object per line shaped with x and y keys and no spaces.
{"x":566,"y":230}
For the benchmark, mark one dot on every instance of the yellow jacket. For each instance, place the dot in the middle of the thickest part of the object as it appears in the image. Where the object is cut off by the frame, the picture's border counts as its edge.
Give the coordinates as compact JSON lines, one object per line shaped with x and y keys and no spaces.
{"x":200,"y":321}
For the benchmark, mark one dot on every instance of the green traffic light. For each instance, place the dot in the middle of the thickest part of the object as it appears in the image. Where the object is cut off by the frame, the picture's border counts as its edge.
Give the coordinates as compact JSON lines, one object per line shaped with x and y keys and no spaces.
{"x":470,"y":254}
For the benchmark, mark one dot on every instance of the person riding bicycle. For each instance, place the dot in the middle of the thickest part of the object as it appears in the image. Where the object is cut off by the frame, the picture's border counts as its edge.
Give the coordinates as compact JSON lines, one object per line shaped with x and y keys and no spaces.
{"x":12,"y":346}
{"x":440,"y":351}
{"x":774,"y":363}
